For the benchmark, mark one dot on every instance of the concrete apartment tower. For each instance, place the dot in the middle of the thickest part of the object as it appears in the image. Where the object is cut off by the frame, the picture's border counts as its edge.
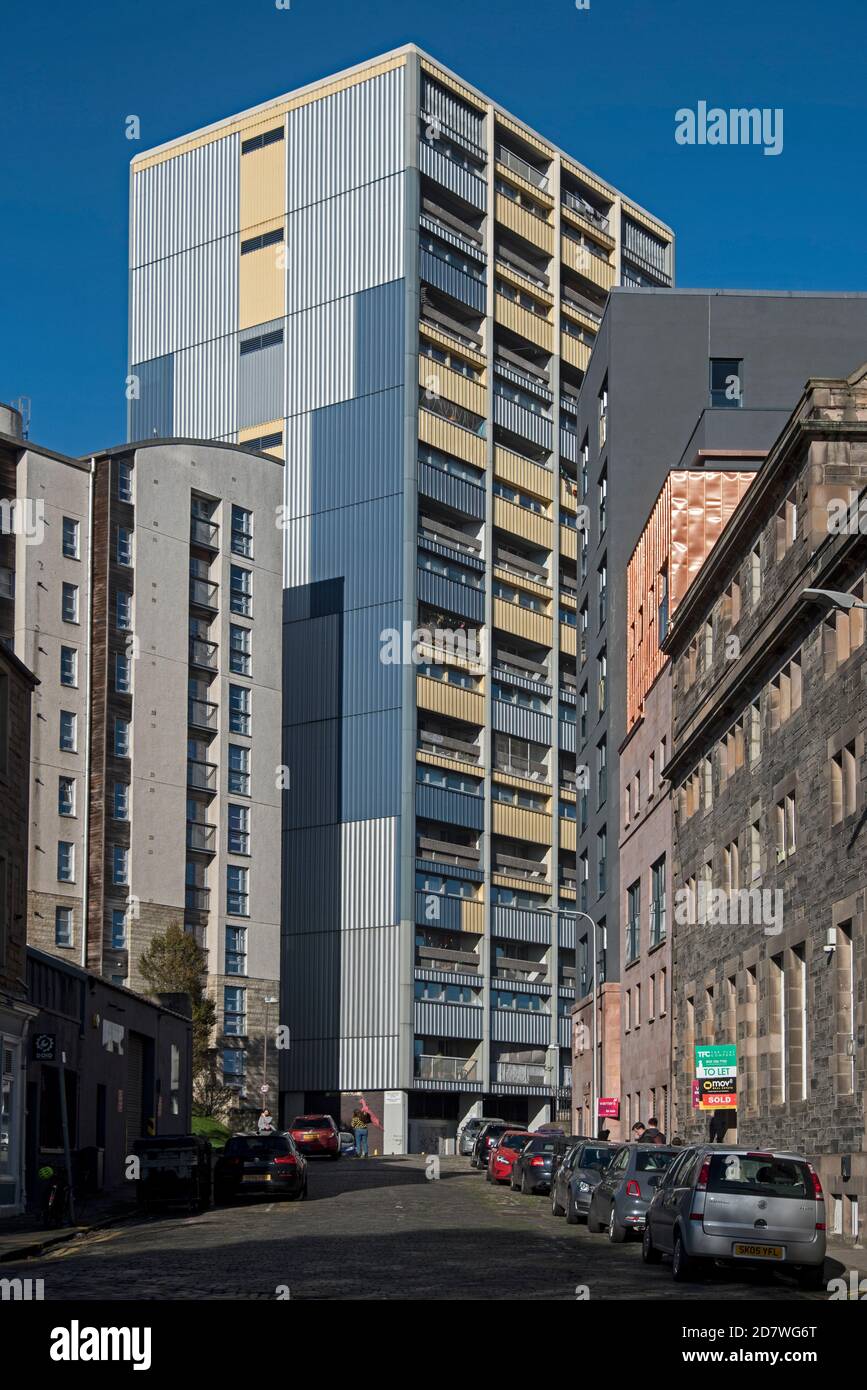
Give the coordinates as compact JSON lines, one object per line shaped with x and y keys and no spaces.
{"x":395,"y":285}
{"x":145,"y":596}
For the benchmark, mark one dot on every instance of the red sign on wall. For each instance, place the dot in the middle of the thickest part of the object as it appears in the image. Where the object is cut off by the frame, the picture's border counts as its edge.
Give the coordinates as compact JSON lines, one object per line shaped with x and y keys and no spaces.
{"x":609,"y":1108}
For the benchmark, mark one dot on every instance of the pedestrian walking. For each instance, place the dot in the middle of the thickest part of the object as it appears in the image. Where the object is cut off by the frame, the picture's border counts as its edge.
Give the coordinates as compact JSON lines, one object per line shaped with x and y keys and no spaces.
{"x":650,"y":1134}
{"x":718,"y":1126}
{"x":360,"y":1124}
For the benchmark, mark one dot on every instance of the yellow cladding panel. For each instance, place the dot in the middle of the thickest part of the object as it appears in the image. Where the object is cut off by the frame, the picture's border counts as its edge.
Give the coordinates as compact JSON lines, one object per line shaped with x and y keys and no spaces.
{"x":463,"y":92}
{"x":568,"y":600}
{"x":522,"y":522}
{"x":452,"y":439}
{"x":522,"y":622}
{"x":451,"y":700}
{"x":579,"y":258}
{"x":529,"y":586}
{"x":583,"y":224}
{"x":571,"y":311}
{"x":263,"y":185}
{"x":584,"y":176}
{"x":569,"y":542}
{"x":472,"y":916}
{"x":506,"y":272}
{"x":523,"y":783}
{"x":568,"y":892}
{"x":568,"y":639}
{"x":257,"y":431}
{"x":526,"y":135}
{"x":262,"y":284}
{"x":526,"y":885}
{"x":450,"y":764}
{"x":568,"y":496}
{"x":573,"y":351}
{"x":524,"y":475}
{"x":427,"y":330}
{"x":568,"y":834}
{"x":521,"y":824}
{"x":530,"y":326}
{"x":442,"y":381}
{"x":525,"y":223}
{"x":638,"y":216}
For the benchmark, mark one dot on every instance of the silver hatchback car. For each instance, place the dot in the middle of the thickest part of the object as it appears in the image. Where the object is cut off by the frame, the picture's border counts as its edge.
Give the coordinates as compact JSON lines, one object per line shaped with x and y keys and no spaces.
{"x":738,"y":1205}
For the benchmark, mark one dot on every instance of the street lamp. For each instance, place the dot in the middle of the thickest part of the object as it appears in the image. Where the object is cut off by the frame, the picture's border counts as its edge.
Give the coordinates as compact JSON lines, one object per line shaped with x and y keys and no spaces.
{"x":268,"y":1000}
{"x":594,"y":1098}
{"x":835,"y":597}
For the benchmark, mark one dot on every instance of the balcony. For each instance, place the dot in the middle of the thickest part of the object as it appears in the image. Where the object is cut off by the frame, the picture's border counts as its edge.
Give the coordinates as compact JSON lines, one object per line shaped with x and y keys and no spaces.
{"x":204,"y":594}
{"x":438,"y":958}
{"x":574,"y":351}
{"x":534,"y":328}
{"x":441,"y":697}
{"x":204,"y":533}
{"x":202,"y":714}
{"x":428,"y":1068}
{"x":518,"y":968}
{"x":201,"y":777}
{"x":203,"y":654}
{"x":448,"y":852}
{"x":450,"y":438}
{"x":519,"y":1074}
{"x":197,"y":899}
{"x":201,"y":837}
{"x":578,"y":257}
{"x":532,"y":228}
{"x":582,"y":208}
{"x":523,"y":622}
{"x":526,"y":171}
{"x":519,"y":823}
{"x":516,"y":866}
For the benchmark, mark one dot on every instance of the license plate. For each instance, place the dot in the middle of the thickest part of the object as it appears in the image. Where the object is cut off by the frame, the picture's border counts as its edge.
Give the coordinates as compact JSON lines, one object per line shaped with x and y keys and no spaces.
{"x":759,"y":1252}
{"x":256,"y":1177}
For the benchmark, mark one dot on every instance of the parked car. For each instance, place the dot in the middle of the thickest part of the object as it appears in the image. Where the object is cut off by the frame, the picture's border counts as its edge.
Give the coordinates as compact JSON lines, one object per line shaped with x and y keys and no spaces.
{"x":485,"y":1141}
{"x":316,"y":1134}
{"x":504,"y":1153}
{"x":531,"y":1171}
{"x":471,"y":1130}
{"x":575,"y":1178}
{"x":620,"y":1199}
{"x":562,"y":1144}
{"x":347,"y":1141}
{"x":253,"y":1164}
{"x":172,"y":1168}
{"x":741,"y":1206}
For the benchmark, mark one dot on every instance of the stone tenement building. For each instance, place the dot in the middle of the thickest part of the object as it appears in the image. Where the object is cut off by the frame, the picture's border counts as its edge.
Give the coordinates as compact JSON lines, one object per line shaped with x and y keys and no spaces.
{"x":769,"y":721}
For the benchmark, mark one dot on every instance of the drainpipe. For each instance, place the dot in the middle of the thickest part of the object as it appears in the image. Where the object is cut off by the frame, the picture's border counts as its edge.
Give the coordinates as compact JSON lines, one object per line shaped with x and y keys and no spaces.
{"x":88,"y":703}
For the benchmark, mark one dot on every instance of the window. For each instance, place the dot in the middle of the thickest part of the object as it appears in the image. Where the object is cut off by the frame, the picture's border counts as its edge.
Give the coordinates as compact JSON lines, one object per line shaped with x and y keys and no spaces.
{"x":585,"y":468}
{"x":844,"y":992}
{"x":237,"y":891}
{"x":239,"y":709}
{"x":242,"y":532}
{"x":583,"y":624}
{"x":601,"y":771}
{"x":636,"y":1011}
{"x":732,"y":867}
{"x":786,"y":523}
{"x":123,"y":547}
{"x":627,"y":1018}
{"x":234,"y":1066}
{"x":755,"y":848}
{"x":602,"y":674}
{"x":124,"y":481}
{"x":603,"y":501}
{"x":785,"y":693}
{"x":726,"y":382}
{"x":602,"y":580}
{"x":603,"y":414}
{"x":66,"y":796}
{"x":68,"y":666}
{"x":731,"y":605}
{"x":63,"y":926}
{"x":657,"y":903}
{"x":584,"y":881}
{"x":633,"y":921}
{"x":122,"y":673}
{"x":121,"y":737}
{"x":123,"y":610}
{"x":239,"y":829}
{"x":69,"y":603}
{"x":68,"y":731}
{"x":120,"y":806}
{"x":662,"y":1000}
{"x":236,"y":950}
{"x":66,"y":861}
{"x":119,"y":864}
{"x":582,"y":713}
{"x":239,"y":770}
{"x":118,"y":928}
{"x":234,"y":1011}
{"x":651,"y":776}
{"x":755,"y":726}
{"x":786,"y":820}
{"x":240,"y":650}
{"x":601,"y":862}
{"x":662,"y":605}
{"x":755,"y":573}
{"x":241,"y":591}
{"x":844,"y":783}
{"x":71,"y":543}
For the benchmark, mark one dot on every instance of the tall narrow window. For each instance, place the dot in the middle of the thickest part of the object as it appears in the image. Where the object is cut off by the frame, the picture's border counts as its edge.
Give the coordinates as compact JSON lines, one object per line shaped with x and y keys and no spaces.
{"x":69,"y":604}
{"x":633,"y":920}
{"x":242,"y":532}
{"x":844,"y":992}
{"x":71,"y":538}
{"x":777,"y":1028}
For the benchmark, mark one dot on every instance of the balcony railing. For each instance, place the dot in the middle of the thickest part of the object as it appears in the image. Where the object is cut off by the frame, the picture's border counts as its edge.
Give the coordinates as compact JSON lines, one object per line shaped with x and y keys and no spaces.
{"x":204,"y":594}
{"x":519,"y":1074}
{"x":566,"y":1078}
{"x":585,"y":209}
{"x":202,"y":714}
{"x":7,"y":582}
{"x":206,"y":533}
{"x":521,"y":167}
{"x":445,"y":1068}
{"x":203,"y":654}
{"x":197,"y":899}
{"x":202,"y":777}
{"x":201,"y":837}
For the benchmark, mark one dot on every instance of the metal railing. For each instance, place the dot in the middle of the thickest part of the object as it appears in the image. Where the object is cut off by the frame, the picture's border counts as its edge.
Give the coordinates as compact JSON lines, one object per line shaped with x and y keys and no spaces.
{"x":585,"y":209}
{"x":430,"y":1068}
{"x":204,"y":594}
{"x":197,"y":899}
{"x":201,"y":837}
{"x":201,"y":776}
{"x":203,"y":653}
{"x":202,"y":714}
{"x":519,"y":1074}
{"x":521,"y":167}
{"x":7,"y":582}
{"x":204,"y":533}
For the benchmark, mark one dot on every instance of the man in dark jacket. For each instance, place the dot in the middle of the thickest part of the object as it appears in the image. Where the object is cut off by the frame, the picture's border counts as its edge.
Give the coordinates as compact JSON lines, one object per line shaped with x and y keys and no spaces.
{"x":653,"y":1134}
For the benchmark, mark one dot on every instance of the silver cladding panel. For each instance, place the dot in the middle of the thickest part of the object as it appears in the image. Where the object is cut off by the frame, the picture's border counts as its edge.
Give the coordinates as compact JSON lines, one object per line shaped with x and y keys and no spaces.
{"x":186,"y":201}
{"x":357,"y":136}
{"x":448,"y":1020}
{"x":206,"y":390}
{"x":186,"y":299}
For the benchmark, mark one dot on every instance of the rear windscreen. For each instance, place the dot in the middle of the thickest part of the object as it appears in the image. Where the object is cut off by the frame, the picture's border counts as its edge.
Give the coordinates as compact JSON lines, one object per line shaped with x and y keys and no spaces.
{"x":595,"y":1158}
{"x":650,"y":1161}
{"x":514,"y":1141}
{"x":310,"y":1122}
{"x":258,"y":1148}
{"x":541,"y":1146}
{"x":760,"y":1176}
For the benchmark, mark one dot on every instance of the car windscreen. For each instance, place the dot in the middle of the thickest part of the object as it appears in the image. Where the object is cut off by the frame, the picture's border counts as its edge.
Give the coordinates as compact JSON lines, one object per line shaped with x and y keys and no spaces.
{"x":759,"y":1175}
{"x":594,"y":1158}
{"x":259,"y":1147}
{"x":653,"y":1160}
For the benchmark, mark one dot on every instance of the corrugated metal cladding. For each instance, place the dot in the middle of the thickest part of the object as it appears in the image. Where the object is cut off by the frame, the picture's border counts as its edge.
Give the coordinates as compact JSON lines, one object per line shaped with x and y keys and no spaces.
{"x":448,"y":1020}
{"x":519,"y":924}
{"x":151,"y":416}
{"x":354,"y":542}
{"x":569,"y":445}
{"x":311,"y":879}
{"x":185,"y":201}
{"x":369,"y":683}
{"x":439,"y":101}
{"x":523,"y":723}
{"x":644,"y":244}
{"x":312,"y":973}
{"x":343,"y":141}
{"x":206,"y":390}
{"x":567,"y":736}
{"x":344,"y":454}
{"x":447,"y":593}
{"x":446,"y":172}
{"x":312,"y":663}
{"x":439,"y":910}
{"x":369,"y":883}
{"x":379,"y":337}
{"x":432,"y":866}
{"x":520,"y":421}
{"x":261,"y":378}
{"x":564,"y":1032}
{"x":515,"y":1025}
{"x":368,"y":1002}
{"x":320,"y":356}
{"x":368,"y":1064}
{"x":566,"y":931}
{"x":370,"y":785}
{"x":366,"y":223}
{"x":314,"y":754}
{"x":312,"y":1063}
{"x":185,"y":299}
{"x":455,"y":492}
{"x":453,"y":808}
{"x":466,"y":288}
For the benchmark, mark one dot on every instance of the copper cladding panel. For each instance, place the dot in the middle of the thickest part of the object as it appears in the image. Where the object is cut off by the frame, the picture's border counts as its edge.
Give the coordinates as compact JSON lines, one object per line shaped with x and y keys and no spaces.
{"x":686,"y":522}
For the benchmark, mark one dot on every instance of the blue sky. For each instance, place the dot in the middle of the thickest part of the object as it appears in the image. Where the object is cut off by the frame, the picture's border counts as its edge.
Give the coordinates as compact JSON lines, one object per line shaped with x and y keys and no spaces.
{"x":604,"y":83}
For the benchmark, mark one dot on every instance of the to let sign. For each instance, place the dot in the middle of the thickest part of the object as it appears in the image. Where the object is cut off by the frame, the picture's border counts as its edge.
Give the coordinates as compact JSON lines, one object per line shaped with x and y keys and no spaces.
{"x":609,"y":1108}
{"x":717,"y":1060}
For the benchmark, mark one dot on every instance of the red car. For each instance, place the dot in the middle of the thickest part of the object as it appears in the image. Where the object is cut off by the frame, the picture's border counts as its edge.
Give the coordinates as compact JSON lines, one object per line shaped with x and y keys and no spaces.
{"x":316,"y":1134}
{"x":504,"y":1153}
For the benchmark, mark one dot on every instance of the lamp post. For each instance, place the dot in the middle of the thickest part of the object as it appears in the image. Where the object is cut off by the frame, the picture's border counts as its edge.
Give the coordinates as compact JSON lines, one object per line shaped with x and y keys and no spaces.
{"x":836,"y":598}
{"x":594,"y":1087}
{"x":268,"y":1000}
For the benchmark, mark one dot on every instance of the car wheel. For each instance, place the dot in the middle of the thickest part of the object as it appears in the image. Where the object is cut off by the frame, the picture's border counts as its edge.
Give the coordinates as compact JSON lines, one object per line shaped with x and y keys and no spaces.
{"x":556,"y":1208}
{"x":649,"y":1252}
{"x":524,"y":1188}
{"x":488,"y":1175}
{"x":811,"y":1276}
{"x":571,"y":1209}
{"x":682,"y":1267}
{"x":592,"y":1224}
{"x":512,"y":1184}
{"x":616,"y":1232}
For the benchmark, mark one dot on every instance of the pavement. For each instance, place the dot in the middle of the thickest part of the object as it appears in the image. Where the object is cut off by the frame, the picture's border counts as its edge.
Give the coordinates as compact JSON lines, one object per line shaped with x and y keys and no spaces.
{"x":374,"y":1229}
